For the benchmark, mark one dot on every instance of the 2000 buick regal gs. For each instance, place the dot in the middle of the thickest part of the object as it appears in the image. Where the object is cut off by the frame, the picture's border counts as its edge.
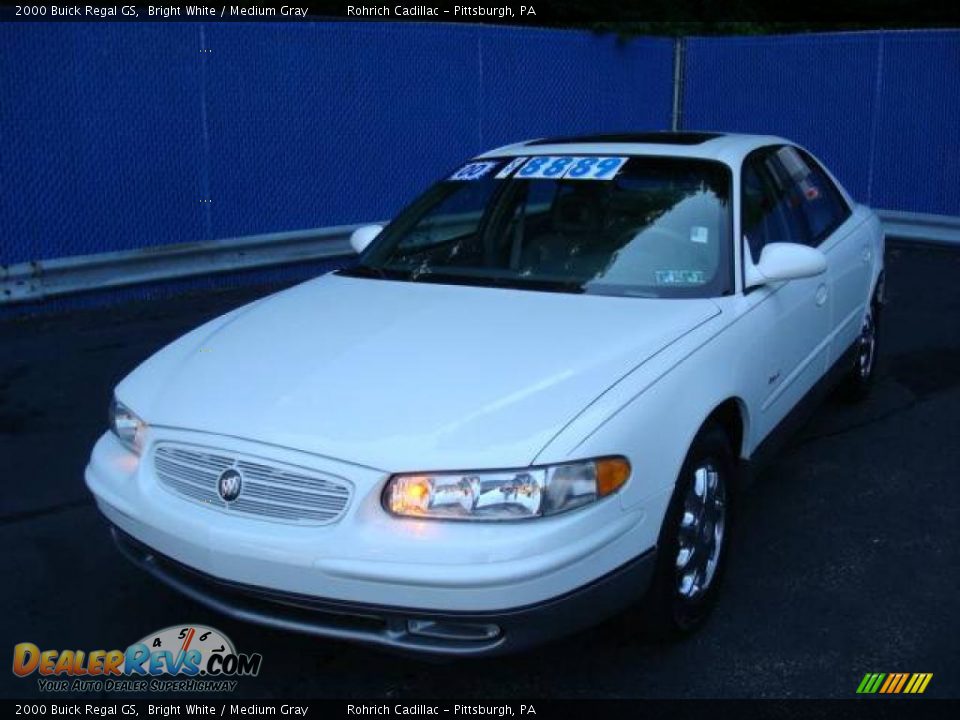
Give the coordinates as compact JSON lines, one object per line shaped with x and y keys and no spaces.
{"x":527,"y":407}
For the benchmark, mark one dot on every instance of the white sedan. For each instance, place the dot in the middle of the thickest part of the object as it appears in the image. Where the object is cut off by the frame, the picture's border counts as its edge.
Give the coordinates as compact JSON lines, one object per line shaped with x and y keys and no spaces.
{"x":528,"y":406}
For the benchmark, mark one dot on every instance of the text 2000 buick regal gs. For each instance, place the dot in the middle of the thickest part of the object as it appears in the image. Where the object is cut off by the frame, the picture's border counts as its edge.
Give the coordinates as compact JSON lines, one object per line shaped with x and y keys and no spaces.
{"x":524,"y":409}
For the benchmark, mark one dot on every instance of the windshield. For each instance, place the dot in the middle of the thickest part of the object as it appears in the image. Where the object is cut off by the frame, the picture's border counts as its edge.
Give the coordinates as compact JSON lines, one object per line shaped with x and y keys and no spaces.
{"x":637,"y":226}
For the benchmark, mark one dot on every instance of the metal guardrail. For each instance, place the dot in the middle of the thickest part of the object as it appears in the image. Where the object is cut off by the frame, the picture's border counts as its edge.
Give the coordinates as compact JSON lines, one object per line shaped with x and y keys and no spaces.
{"x":922,"y":227}
{"x":32,"y":281}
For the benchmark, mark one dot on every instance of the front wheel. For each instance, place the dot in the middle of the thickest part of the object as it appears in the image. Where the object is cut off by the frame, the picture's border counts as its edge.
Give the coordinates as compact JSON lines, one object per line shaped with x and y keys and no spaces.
{"x":693,"y":544}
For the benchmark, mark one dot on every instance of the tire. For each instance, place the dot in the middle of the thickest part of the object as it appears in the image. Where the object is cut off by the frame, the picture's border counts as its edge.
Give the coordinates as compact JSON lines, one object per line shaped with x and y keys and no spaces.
{"x":859,"y":381}
{"x":688,"y":571}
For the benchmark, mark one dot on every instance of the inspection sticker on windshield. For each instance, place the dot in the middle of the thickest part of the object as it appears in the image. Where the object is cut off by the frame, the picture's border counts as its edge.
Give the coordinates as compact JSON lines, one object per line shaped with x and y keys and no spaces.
{"x":473,"y":171}
{"x":679,"y":277}
{"x":569,"y":167}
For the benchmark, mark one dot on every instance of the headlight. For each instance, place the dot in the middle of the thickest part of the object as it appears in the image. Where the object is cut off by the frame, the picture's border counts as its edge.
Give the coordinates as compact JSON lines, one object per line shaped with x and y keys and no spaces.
{"x":127,"y":426}
{"x":505,"y":494}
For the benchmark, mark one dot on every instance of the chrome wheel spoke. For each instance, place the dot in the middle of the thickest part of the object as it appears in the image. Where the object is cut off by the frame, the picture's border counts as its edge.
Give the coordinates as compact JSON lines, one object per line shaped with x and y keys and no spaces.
{"x":868,"y":344}
{"x":700,"y":482}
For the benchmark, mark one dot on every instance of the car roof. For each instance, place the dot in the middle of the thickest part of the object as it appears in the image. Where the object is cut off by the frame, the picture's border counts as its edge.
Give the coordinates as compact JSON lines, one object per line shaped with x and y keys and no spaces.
{"x":729,"y":148}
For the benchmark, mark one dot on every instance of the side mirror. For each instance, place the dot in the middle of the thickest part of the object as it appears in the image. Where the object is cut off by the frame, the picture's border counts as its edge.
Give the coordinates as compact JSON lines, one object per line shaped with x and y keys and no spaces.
{"x":363,"y":236}
{"x":785,"y":261}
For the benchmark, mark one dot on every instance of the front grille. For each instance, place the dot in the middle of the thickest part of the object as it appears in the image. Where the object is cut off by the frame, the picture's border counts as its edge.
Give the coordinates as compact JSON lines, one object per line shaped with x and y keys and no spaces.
{"x":269,"y":490}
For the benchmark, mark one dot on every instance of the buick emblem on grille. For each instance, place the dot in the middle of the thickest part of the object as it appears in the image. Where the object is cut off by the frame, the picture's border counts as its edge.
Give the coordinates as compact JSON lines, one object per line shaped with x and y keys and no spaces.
{"x":229,"y":484}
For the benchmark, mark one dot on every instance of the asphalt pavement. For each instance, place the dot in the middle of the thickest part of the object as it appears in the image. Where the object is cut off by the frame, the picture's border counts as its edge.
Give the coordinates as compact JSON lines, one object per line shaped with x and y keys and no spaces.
{"x":846,"y":559}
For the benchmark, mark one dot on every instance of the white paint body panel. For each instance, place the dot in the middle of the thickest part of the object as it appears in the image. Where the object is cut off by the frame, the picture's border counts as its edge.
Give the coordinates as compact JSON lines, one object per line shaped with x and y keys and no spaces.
{"x":363,"y":378}
{"x":405,"y":376}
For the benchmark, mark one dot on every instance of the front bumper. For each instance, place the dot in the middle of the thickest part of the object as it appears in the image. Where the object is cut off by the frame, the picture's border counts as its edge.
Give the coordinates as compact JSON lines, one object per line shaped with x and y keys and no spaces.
{"x":431,"y":586}
{"x":421,"y":631}
{"x":368,"y":556}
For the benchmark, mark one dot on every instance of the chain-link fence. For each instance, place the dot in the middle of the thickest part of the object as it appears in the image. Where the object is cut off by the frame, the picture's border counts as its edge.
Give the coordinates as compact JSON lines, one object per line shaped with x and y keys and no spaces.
{"x":128,"y":135}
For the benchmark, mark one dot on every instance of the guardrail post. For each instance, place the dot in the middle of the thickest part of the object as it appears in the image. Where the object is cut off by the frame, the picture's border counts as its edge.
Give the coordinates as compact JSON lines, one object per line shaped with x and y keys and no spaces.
{"x":679,"y":58}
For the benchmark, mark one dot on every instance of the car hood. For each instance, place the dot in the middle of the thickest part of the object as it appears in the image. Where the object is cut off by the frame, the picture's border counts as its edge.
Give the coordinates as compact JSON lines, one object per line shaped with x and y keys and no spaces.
{"x":405,"y":376}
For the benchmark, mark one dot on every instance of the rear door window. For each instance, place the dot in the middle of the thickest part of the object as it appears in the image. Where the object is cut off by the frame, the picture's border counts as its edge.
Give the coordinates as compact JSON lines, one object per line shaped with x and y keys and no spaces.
{"x":821,"y":203}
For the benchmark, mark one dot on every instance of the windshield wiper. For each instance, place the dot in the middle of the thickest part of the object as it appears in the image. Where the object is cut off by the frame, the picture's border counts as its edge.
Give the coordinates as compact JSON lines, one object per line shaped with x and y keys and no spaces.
{"x":500,"y":282}
{"x":442,"y":278}
{"x":364,"y":271}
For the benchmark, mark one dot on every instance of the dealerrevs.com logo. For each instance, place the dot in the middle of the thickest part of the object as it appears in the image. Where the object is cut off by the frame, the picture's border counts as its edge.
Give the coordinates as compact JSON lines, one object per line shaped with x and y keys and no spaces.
{"x":186,"y":658}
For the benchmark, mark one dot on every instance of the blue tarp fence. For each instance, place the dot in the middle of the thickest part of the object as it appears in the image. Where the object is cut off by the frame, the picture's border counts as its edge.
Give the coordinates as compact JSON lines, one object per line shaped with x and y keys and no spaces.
{"x":881,"y":109}
{"x":121,"y":135}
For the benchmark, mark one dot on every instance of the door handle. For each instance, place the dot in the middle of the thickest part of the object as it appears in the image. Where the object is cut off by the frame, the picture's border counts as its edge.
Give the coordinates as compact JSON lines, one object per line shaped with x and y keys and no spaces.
{"x":821,"y":295}
{"x":866,"y":254}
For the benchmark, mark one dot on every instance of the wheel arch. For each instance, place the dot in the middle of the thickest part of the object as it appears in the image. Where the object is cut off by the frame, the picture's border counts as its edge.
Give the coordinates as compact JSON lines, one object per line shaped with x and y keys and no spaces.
{"x":732,"y":416}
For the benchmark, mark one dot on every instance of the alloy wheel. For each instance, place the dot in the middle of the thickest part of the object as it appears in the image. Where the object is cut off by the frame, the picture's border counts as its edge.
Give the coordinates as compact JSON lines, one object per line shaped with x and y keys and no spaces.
{"x":867,"y":347}
{"x":702,"y":531}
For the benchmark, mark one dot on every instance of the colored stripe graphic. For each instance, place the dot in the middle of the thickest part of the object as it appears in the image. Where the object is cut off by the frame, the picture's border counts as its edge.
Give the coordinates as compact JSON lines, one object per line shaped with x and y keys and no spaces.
{"x":903,"y":681}
{"x":894,"y":683}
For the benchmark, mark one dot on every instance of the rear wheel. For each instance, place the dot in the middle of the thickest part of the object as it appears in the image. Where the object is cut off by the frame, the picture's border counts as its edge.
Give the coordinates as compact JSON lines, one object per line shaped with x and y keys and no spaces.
{"x":693,"y":545}
{"x":859,"y":381}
